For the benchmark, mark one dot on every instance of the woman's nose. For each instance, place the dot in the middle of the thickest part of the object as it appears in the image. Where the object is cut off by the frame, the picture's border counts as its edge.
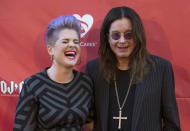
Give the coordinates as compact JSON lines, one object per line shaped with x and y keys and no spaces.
{"x":71,"y":43}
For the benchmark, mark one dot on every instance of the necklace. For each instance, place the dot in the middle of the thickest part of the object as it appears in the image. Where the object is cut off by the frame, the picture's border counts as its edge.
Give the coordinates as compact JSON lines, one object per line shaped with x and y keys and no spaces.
{"x":119,"y":105}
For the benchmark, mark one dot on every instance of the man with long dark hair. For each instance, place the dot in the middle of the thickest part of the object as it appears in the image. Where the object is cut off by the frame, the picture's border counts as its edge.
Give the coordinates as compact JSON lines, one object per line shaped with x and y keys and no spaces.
{"x":134,"y":90}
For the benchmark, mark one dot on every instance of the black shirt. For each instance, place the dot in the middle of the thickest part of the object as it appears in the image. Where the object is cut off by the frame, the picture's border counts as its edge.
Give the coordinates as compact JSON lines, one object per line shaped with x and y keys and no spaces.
{"x":122,"y":86}
{"x":45,"y":105}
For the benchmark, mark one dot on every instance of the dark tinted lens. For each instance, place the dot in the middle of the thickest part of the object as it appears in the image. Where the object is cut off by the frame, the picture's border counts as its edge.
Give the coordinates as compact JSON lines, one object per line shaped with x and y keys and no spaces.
{"x":115,"y":36}
{"x":128,"y":35}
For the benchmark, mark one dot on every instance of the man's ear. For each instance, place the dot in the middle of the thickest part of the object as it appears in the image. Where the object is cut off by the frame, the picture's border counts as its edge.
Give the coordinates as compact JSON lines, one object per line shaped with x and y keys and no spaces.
{"x":108,"y":39}
{"x":50,"y":50}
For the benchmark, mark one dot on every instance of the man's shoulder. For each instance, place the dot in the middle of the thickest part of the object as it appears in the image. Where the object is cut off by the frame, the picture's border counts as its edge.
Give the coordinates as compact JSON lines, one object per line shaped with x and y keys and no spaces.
{"x":93,"y":63}
{"x":92,"y":68}
{"x":160,"y":60}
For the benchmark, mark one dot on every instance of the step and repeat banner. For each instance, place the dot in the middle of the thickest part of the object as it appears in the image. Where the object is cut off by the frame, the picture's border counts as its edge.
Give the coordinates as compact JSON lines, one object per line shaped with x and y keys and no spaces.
{"x":23,"y":51}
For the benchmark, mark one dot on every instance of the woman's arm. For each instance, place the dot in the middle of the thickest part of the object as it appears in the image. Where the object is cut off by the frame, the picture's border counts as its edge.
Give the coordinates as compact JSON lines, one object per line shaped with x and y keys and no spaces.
{"x":26,"y":111}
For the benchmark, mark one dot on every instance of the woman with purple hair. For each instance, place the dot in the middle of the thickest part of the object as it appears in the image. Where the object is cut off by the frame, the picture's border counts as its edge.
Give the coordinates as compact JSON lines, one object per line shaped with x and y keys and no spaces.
{"x":58,"y":98}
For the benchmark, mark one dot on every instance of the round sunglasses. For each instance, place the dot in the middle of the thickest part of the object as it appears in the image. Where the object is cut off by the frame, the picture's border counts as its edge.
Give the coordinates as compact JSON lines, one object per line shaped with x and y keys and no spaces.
{"x":117,"y":35}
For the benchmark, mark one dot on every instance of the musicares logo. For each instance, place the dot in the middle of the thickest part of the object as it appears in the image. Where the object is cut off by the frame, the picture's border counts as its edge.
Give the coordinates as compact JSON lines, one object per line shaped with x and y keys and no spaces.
{"x":86,"y":23}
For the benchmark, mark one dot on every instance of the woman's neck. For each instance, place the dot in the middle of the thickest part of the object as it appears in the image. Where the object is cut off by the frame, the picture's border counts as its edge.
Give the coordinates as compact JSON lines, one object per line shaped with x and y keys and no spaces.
{"x":60,"y":74}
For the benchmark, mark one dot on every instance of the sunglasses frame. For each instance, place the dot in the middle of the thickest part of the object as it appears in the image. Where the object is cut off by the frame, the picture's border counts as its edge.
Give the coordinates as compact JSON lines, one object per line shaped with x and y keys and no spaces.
{"x":127,"y":35}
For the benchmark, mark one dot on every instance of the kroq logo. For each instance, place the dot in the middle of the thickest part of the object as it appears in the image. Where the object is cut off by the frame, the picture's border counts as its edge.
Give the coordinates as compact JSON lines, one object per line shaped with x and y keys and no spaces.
{"x":86,"y":23}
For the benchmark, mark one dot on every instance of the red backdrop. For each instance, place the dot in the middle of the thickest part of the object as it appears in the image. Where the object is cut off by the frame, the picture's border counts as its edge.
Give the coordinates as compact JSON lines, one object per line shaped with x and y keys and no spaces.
{"x":23,"y":51}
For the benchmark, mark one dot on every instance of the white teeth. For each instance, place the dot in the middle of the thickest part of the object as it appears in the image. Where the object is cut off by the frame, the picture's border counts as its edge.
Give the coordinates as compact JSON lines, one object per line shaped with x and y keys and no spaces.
{"x":123,"y":46}
{"x":70,"y":53}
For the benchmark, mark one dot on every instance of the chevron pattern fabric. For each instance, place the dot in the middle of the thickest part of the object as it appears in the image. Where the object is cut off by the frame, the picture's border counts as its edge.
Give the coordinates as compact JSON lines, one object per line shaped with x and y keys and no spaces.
{"x":45,"y":105}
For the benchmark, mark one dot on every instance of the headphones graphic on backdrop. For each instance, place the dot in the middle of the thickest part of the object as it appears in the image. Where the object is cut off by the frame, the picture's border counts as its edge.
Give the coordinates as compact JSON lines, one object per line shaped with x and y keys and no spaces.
{"x":86,"y":23}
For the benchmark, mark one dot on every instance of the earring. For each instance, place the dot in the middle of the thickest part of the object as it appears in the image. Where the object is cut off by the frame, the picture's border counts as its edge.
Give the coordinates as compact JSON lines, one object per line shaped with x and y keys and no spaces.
{"x":78,"y":63}
{"x":52,"y":57}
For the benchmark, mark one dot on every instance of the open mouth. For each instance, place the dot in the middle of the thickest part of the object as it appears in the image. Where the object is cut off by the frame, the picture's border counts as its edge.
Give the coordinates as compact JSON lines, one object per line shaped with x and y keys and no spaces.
{"x":123,"y":47}
{"x":70,"y":55}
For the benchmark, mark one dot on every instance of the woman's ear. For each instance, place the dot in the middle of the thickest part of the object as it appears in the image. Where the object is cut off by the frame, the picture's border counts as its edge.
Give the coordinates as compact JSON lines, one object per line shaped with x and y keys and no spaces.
{"x":50,"y":50}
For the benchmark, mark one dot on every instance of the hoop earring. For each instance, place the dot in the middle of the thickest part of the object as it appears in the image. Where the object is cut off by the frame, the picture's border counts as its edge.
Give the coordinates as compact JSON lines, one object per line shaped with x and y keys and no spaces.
{"x":78,"y":63}
{"x":52,"y":57}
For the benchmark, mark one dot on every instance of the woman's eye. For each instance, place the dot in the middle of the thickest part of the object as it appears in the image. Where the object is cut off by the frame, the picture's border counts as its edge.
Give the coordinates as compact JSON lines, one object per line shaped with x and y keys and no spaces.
{"x":76,"y":42}
{"x":64,"y":42}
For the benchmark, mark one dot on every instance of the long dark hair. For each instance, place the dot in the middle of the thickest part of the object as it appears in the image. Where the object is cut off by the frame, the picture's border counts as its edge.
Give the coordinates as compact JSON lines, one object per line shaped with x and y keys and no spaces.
{"x":139,"y":58}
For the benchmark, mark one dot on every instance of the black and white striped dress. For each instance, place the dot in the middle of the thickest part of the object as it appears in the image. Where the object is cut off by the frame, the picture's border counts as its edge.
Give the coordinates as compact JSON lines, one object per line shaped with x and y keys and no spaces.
{"x":45,"y":105}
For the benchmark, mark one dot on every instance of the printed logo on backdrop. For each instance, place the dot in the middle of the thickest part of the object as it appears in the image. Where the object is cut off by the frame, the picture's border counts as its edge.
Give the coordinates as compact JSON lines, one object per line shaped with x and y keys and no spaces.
{"x":10,"y":89}
{"x":86,"y":24}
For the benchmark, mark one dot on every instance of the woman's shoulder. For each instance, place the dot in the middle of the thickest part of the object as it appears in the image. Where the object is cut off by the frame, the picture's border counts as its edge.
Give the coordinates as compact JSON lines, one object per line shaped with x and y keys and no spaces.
{"x":84,"y":79}
{"x":35,"y":78}
{"x":84,"y":76}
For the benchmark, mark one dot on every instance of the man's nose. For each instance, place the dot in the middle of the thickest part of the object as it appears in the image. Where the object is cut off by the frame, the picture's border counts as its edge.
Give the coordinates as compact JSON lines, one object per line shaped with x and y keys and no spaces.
{"x":122,"y":39}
